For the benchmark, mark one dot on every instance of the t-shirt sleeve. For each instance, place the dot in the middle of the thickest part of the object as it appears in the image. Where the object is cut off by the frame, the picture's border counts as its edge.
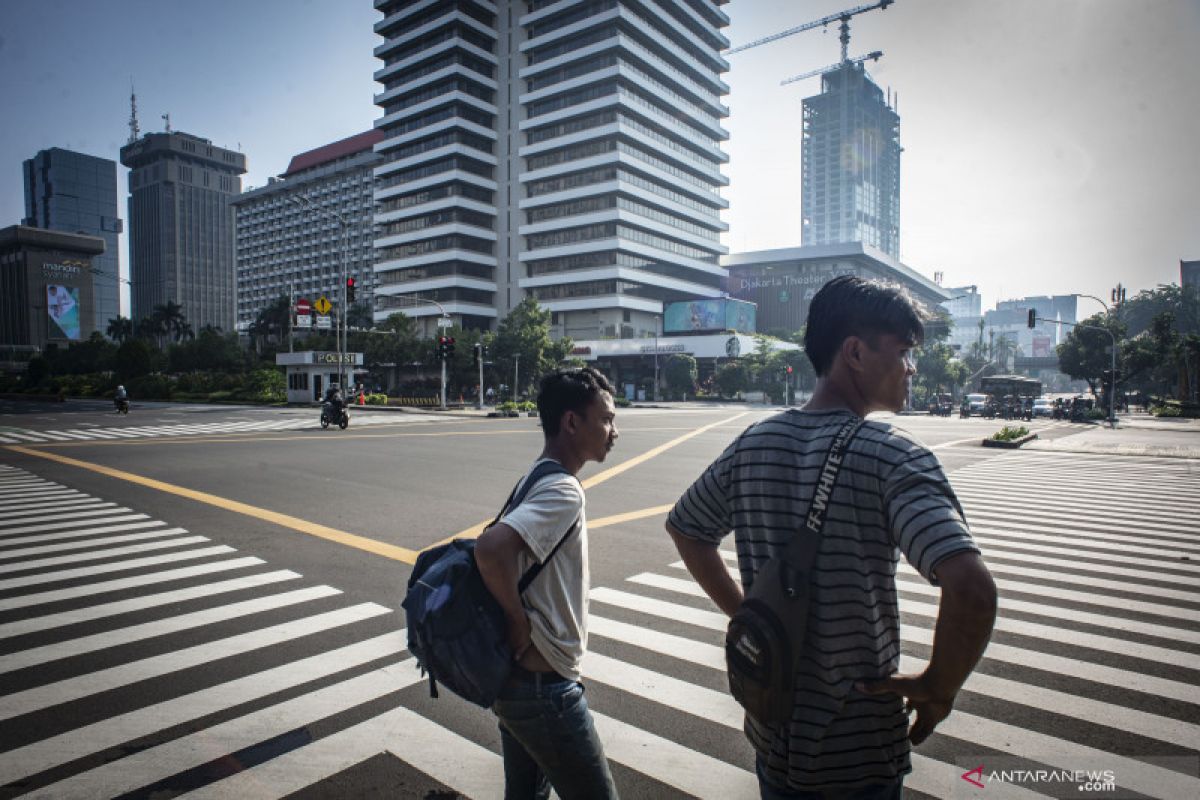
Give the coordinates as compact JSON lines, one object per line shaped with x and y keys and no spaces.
{"x":704,"y":512}
{"x":924,"y":516}
{"x":547,"y":511}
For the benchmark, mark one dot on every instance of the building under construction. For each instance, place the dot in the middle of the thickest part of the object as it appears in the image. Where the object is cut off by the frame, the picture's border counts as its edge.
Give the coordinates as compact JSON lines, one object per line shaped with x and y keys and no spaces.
{"x":851,"y":163}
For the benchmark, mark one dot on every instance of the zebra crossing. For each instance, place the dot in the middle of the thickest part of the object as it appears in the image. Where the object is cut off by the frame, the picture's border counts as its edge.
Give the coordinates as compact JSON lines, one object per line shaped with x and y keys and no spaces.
{"x":139,"y":659}
{"x":14,"y":435}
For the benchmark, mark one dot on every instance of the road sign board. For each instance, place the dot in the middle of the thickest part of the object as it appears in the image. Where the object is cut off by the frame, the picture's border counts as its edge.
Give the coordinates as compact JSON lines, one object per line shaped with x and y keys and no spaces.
{"x":324,"y":322}
{"x":303,"y":306}
{"x":322,"y":305}
{"x":445,"y":322}
{"x":304,"y":320}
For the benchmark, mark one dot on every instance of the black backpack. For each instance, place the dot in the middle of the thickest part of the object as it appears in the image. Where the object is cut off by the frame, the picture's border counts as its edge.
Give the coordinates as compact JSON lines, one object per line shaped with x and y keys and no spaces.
{"x":765,"y":638}
{"x":456,"y":629}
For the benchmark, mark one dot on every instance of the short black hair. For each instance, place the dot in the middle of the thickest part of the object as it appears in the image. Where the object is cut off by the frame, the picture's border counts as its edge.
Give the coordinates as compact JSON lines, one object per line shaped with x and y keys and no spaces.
{"x":851,"y":306}
{"x":568,"y":390}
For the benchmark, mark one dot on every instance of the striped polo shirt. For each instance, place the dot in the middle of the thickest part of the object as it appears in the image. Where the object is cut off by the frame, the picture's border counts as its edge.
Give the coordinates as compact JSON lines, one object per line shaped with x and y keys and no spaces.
{"x":891,"y":497}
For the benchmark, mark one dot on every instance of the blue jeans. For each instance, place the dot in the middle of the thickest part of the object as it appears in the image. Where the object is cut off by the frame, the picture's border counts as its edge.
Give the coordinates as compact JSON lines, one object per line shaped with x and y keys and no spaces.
{"x":873,"y":791}
{"x":548,"y":739}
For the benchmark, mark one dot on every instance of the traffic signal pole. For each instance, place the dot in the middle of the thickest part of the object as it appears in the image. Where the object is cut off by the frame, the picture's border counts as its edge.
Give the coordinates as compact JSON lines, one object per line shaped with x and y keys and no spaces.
{"x":1112,"y":375}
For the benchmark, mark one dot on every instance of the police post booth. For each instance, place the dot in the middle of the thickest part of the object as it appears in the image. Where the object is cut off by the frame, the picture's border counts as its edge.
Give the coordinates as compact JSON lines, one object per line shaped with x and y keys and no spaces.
{"x":311,"y":372}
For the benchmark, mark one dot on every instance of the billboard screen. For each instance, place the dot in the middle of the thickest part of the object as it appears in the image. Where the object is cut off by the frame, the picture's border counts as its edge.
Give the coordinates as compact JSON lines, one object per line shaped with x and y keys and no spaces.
{"x":62,"y":306}
{"x":720,"y":314}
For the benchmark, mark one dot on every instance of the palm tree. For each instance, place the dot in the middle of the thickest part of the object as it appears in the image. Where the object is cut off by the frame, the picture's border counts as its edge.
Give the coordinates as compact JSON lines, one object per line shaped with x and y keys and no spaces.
{"x":170,"y":320}
{"x":149,"y":328}
{"x":120,"y":329}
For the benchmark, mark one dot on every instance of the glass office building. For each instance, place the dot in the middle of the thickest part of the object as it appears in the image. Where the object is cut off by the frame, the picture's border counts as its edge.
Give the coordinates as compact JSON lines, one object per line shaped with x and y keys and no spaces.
{"x":77,"y":193}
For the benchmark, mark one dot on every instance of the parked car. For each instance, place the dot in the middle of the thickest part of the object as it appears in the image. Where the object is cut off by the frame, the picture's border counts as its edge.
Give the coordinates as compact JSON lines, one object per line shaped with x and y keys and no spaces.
{"x":1043,"y":407}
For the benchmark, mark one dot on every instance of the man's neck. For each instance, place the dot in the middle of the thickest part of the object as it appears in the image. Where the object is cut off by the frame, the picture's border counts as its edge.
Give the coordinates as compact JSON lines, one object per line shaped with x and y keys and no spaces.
{"x":558,"y":450}
{"x":832,"y":394}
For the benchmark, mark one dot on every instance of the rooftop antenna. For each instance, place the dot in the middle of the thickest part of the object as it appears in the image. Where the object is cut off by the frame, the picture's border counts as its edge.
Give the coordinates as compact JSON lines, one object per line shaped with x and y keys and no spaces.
{"x":167,"y":120}
{"x":133,"y":123}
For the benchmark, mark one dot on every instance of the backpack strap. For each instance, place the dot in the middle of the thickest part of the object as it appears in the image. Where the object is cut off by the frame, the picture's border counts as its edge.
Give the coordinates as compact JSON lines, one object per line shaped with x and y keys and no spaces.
{"x":541,"y":470}
{"x":801,"y":552}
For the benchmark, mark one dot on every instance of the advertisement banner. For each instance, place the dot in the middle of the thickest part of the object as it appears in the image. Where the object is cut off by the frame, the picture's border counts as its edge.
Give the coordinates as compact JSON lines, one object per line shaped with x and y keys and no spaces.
{"x":62,"y":305}
{"x":719,"y":314}
{"x":1043,"y":347}
{"x":741,"y":316}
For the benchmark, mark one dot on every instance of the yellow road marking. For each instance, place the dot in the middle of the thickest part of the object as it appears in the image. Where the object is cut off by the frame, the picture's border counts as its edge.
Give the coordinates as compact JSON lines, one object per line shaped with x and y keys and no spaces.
{"x":629,"y":516}
{"x":248,"y":438}
{"x":474,"y":531}
{"x":394,"y":552}
{"x":283,"y":520}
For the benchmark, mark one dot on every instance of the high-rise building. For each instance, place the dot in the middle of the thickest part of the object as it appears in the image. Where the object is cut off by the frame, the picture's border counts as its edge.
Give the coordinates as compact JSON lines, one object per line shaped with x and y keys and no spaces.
{"x":566,"y":151}
{"x":289,"y":237}
{"x":77,"y":193}
{"x":850,"y":159}
{"x":181,"y":226}
{"x":965,"y":308}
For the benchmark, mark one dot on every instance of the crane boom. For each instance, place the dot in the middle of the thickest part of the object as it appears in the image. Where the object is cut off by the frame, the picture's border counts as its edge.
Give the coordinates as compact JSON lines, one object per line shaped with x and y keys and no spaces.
{"x":875,"y":55}
{"x":843,"y":16}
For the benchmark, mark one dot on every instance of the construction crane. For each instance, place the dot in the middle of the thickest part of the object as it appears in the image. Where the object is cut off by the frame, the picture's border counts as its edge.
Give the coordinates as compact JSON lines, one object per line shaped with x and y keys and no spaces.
{"x":842,"y":16}
{"x":874,"y":55}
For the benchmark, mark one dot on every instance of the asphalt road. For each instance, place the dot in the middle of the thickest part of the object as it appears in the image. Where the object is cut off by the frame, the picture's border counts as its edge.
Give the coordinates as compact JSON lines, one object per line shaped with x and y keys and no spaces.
{"x":1097,"y":660}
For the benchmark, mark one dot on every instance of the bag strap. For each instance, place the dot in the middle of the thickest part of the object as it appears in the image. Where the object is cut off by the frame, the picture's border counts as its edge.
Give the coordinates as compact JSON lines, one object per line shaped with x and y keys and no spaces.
{"x":801,"y":552}
{"x":541,"y":470}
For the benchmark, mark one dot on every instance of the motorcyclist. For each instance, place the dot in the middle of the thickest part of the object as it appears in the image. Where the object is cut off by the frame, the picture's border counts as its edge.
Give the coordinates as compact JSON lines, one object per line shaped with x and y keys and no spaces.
{"x":120,"y":397}
{"x":334,"y":400}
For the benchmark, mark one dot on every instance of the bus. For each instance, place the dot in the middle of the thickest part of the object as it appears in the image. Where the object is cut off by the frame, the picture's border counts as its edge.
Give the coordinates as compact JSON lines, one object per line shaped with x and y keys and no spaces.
{"x":1000,"y":386}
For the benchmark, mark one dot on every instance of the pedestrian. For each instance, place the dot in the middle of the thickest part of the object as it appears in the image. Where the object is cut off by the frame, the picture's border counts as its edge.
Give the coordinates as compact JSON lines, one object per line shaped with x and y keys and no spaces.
{"x":849,"y":730}
{"x":546,"y":732}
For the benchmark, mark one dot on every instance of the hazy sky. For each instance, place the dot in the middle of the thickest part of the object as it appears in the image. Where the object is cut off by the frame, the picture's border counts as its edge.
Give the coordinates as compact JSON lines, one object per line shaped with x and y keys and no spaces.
{"x":1050,"y":146}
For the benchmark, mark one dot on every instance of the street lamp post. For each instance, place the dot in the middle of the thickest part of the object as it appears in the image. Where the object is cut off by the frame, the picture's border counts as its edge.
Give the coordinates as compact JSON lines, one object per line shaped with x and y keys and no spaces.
{"x":340,"y":331}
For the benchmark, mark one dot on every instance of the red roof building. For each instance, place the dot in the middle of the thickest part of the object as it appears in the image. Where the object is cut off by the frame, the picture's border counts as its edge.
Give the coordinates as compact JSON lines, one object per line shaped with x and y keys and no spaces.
{"x":332,"y":152}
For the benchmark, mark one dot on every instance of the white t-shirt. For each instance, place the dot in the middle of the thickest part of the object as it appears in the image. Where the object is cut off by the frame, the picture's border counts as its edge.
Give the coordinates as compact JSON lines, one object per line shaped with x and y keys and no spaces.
{"x":556,"y":600}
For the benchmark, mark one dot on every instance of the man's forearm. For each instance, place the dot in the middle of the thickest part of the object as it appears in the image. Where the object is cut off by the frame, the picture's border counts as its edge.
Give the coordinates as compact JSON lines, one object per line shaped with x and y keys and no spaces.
{"x":498,"y":569}
{"x":964,"y":625}
{"x":706,"y":565}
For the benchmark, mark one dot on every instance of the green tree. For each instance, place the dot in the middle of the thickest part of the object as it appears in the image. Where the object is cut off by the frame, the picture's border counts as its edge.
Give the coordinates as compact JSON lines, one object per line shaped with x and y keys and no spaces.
{"x":732,"y":378}
{"x":680,"y":373}
{"x":133,"y":359}
{"x":271,"y":323}
{"x":524,"y":336}
{"x":170,"y":320}
{"x":1085,"y":354}
{"x":119,"y":329}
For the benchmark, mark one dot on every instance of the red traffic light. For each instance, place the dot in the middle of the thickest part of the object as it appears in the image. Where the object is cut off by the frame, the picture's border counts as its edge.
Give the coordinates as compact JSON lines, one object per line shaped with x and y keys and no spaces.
{"x":789,"y":369}
{"x":349,"y":283}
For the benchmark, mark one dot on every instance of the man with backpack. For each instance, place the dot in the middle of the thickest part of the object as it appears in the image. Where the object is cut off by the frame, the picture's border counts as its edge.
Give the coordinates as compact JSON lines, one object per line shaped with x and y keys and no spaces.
{"x":864,"y":491}
{"x":547,"y":734}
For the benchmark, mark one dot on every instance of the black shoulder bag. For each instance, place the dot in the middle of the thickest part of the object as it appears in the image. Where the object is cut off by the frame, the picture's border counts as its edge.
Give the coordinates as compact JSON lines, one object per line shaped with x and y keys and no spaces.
{"x":765,"y":639}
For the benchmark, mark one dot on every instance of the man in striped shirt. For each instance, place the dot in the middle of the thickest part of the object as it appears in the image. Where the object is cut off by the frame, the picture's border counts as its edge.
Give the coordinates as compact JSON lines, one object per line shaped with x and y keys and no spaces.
{"x":849,"y":733}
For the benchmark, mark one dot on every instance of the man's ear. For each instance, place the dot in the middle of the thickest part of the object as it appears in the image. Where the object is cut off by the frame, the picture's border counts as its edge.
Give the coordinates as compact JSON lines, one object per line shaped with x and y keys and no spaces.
{"x":569,"y":422}
{"x":852,"y":352}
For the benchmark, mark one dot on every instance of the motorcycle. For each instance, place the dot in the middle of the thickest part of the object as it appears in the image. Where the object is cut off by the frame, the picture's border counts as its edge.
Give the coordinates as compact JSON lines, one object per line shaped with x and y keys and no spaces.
{"x":329,"y":416}
{"x":122,"y":406}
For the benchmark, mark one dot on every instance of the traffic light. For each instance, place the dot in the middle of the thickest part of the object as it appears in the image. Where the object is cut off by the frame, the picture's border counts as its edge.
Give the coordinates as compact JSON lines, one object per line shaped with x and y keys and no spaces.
{"x":1033,"y":317}
{"x":476,"y":354}
{"x":789,"y":369}
{"x":449,"y":346}
{"x":350,"y":290}
{"x":441,"y":348}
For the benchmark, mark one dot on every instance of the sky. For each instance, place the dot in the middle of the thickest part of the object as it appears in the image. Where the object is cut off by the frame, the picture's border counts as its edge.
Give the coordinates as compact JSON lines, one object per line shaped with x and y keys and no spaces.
{"x":1050,"y":146}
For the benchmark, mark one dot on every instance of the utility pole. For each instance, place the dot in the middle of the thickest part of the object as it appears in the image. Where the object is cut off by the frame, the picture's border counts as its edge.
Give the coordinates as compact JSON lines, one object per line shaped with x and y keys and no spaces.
{"x":516,"y":373}
{"x":479,"y":389}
